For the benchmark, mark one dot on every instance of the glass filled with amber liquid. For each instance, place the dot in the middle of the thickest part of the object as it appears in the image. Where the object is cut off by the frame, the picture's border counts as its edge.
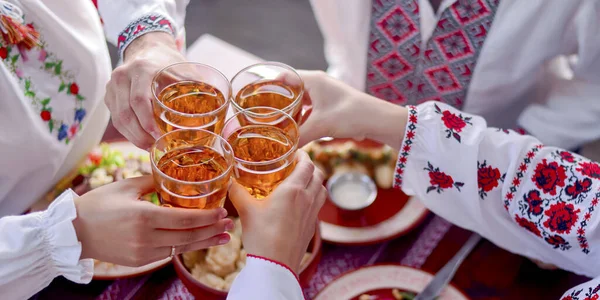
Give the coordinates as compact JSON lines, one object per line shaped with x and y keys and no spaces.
{"x":190,"y":96}
{"x":264,"y":141}
{"x":191,"y":168}
{"x":269,"y":84}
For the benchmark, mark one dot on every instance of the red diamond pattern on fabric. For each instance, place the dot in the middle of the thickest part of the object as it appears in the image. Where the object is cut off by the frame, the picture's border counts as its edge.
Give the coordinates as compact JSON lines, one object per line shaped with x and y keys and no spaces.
{"x":393,"y":66}
{"x":454,"y":45}
{"x":388,"y":92}
{"x":397,"y":26}
{"x":442,"y":79}
{"x":404,"y":69}
{"x":470,"y":10}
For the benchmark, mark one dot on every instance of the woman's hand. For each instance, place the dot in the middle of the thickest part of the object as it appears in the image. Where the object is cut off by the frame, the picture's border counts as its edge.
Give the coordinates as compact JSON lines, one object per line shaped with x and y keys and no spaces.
{"x":114,"y":226}
{"x":280,"y":226}
{"x":128,"y":93}
{"x":340,"y":111}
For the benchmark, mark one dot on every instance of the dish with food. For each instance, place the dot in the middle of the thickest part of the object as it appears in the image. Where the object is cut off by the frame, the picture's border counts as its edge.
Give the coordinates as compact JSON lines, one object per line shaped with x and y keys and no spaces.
{"x":208,"y":274}
{"x":383,"y":282}
{"x":218,"y":266}
{"x":105,"y":164}
{"x":392,"y":214}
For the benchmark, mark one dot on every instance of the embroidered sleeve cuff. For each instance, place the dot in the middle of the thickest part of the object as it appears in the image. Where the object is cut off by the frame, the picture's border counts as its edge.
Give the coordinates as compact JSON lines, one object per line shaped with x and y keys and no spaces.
{"x":263,"y":278}
{"x":275,"y":263}
{"x":59,"y":238}
{"x":407,"y":145}
{"x":145,"y":24}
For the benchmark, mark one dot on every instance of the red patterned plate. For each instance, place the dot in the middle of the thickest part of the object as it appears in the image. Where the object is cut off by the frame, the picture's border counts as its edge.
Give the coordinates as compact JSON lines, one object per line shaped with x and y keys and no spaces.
{"x":393,"y":214}
{"x":379,"y":280}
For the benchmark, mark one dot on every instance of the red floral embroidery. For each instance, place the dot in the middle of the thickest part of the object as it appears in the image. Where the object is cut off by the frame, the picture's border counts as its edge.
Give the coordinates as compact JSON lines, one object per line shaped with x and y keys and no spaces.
{"x":488,"y":178}
{"x":590,"y":169}
{"x":567,"y":156}
{"x":549,"y":176}
{"x":579,"y":188}
{"x":556,"y":206}
{"x":74,"y":88}
{"x":3,"y":52}
{"x":591,"y":294}
{"x":454,"y":124}
{"x":535,"y":202}
{"x":557,"y":241}
{"x":46,"y":115}
{"x":561,"y":217}
{"x":440,"y":181}
{"x":452,"y":121}
{"x":532,"y":227}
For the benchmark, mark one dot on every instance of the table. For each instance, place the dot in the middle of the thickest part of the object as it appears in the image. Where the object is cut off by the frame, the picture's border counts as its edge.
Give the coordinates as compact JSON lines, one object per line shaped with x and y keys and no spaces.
{"x":488,"y":273}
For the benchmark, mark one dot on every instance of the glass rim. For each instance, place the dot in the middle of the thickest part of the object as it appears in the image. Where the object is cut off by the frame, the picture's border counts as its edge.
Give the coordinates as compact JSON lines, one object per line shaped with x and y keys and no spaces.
{"x":275,"y":111}
{"x":269,"y":63}
{"x":219,"y":109}
{"x":161,"y":173}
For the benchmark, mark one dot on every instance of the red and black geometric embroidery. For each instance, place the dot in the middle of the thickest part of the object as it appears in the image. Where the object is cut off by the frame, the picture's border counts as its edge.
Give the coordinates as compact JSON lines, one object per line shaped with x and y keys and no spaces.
{"x":488,"y":178}
{"x":454,"y":124}
{"x":143,"y":25}
{"x":440,"y":181}
{"x":406,"y":146}
{"x":519,"y":175}
{"x":401,"y":71}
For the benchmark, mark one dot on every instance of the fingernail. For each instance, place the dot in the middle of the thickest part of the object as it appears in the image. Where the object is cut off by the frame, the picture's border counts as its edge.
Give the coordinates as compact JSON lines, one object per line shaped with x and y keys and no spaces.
{"x":223,"y":213}
{"x":229,"y":226}
{"x":224,"y":239}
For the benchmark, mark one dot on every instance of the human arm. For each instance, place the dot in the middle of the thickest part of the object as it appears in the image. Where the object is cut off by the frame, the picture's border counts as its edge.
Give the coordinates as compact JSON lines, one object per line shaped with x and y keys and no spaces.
{"x":529,"y":199}
{"x":150,"y":36}
{"x":110,"y":224}
{"x":276,"y":232}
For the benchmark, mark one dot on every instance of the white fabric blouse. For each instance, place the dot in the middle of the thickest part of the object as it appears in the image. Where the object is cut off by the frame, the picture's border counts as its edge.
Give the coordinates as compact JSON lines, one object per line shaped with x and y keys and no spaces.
{"x":530,"y":199}
{"x":52,"y":114}
{"x":538,"y":68}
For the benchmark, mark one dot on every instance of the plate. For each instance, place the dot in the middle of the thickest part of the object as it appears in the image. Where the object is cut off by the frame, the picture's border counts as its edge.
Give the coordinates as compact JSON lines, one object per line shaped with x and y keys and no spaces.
{"x":393,"y":214}
{"x":107,"y":271}
{"x":406,"y":214}
{"x":379,"y":280}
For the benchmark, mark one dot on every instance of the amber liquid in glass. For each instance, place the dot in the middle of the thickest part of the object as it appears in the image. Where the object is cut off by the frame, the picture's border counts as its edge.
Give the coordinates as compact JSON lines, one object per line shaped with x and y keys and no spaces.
{"x":265,"y":144}
{"x":271,"y":93}
{"x":190,"y":97}
{"x":193,"y":164}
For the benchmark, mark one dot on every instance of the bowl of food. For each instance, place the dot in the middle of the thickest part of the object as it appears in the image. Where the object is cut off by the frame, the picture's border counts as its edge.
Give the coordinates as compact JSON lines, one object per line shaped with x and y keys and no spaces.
{"x":208,"y":274}
{"x":351,"y":192}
